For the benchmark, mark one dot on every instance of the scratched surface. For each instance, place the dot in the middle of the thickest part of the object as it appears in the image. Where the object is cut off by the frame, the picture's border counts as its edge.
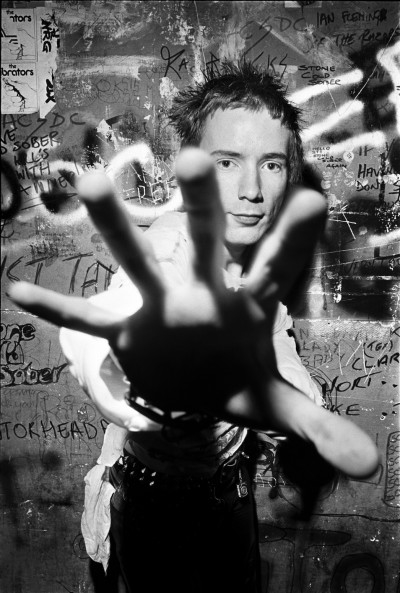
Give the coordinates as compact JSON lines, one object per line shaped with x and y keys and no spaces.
{"x":105,"y":74}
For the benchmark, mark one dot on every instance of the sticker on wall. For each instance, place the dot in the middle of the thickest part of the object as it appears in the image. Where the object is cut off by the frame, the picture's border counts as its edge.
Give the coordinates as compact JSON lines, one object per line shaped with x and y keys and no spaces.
{"x":19,"y":87}
{"x":29,"y":41}
{"x":18,"y":41}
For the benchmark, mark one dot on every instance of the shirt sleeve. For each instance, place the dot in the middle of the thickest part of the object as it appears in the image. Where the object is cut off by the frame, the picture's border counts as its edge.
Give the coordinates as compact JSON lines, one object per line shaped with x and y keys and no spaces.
{"x":288,"y":361}
{"x":87,"y":354}
{"x":96,"y":517}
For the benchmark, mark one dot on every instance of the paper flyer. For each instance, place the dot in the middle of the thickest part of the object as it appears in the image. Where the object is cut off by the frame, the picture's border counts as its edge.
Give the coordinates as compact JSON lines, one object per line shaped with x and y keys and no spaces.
{"x":30,"y":39}
{"x":48,"y":42}
{"x":18,"y":39}
{"x":19,"y":87}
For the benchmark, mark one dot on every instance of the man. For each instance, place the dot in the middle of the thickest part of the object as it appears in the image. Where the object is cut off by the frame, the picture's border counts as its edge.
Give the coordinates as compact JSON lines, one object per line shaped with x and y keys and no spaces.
{"x":198,"y":363}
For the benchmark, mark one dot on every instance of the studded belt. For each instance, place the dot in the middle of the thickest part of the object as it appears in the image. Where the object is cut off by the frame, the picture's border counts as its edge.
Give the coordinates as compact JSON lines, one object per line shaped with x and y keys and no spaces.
{"x":134,"y":481}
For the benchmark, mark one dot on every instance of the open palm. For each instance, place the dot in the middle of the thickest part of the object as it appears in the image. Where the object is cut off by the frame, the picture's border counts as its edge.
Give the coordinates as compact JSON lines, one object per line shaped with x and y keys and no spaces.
{"x":198,"y":346}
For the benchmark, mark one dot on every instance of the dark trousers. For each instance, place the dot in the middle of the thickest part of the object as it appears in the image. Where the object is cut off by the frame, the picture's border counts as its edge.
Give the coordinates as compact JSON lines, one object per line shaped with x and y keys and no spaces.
{"x":186,"y":536}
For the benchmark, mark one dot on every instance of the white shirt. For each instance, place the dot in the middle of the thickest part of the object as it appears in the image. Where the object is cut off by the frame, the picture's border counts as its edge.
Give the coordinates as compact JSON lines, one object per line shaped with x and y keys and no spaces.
{"x":91,"y":363}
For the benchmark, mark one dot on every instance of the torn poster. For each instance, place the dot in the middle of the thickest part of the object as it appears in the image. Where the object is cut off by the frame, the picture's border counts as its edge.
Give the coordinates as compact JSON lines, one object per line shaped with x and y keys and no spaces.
{"x":30,"y":40}
{"x":48,"y":42}
{"x":19,"y":87}
{"x":18,"y":40}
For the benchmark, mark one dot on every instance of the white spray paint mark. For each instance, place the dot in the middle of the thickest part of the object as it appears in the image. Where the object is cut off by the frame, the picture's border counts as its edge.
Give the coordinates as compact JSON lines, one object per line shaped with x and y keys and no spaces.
{"x":345,"y":111}
{"x":309,"y":92}
{"x":389,"y":58}
{"x":167,"y":91}
{"x":105,"y":66}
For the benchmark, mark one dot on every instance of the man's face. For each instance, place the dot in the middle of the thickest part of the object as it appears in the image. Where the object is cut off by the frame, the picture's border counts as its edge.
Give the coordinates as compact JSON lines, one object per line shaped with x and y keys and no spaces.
{"x":250,"y":150}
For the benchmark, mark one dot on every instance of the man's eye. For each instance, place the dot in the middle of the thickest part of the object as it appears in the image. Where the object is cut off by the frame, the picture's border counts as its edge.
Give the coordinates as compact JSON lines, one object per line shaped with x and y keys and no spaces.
{"x":276,"y":167}
{"x":225,"y":164}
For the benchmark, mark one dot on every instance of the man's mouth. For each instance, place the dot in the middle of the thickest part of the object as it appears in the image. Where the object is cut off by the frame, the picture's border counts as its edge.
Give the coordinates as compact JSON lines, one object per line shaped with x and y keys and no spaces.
{"x":247,"y":219}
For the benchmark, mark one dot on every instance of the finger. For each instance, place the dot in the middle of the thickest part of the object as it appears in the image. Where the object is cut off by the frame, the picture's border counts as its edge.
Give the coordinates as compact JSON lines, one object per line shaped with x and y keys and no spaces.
{"x":289,"y":246}
{"x":196,"y":176}
{"x":66,"y":311}
{"x":127,"y":243}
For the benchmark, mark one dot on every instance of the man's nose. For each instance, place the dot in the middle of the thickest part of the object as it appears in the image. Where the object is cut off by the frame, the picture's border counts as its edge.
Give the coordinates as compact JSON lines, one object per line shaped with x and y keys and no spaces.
{"x":250,"y":186}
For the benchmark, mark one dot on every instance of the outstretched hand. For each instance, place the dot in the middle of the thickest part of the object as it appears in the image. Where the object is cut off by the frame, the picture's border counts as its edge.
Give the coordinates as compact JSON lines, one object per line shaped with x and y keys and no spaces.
{"x":198,"y":346}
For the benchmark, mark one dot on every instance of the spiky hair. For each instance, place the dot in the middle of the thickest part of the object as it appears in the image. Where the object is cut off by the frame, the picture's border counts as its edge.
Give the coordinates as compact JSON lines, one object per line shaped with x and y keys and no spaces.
{"x":231,"y":87}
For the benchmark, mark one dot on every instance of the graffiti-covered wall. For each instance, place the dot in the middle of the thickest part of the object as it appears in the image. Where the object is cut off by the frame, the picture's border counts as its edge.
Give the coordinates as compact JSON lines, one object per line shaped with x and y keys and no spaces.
{"x":88,"y":84}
